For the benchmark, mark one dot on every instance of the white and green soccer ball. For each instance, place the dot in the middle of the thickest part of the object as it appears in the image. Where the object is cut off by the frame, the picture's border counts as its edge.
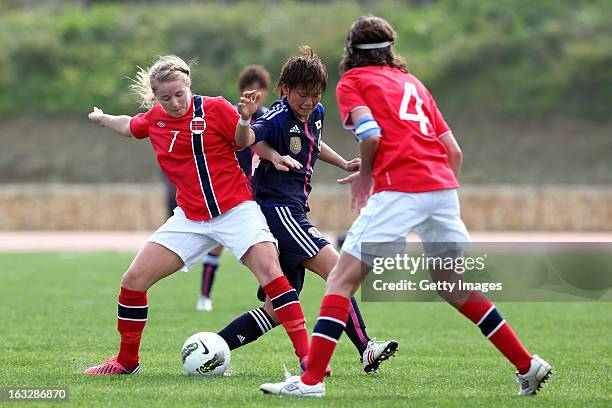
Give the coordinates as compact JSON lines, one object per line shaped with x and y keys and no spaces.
{"x":206,"y":353}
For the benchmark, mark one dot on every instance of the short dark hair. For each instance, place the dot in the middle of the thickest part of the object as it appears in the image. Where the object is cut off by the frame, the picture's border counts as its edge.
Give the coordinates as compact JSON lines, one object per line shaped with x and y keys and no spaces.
{"x":367,"y":30}
{"x":251,"y":74}
{"x":304,"y":70}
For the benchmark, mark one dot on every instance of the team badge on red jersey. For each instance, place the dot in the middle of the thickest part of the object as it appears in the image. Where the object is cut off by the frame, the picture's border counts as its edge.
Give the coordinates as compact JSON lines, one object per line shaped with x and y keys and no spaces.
{"x":197,"y":125}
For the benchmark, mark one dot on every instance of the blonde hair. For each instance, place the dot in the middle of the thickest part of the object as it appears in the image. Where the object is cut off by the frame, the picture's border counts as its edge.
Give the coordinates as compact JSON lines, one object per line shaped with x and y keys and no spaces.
{"x":167,"y":68}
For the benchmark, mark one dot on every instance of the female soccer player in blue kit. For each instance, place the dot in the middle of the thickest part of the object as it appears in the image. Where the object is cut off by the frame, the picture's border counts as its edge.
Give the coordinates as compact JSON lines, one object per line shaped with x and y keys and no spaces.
{"x":288,"y":137}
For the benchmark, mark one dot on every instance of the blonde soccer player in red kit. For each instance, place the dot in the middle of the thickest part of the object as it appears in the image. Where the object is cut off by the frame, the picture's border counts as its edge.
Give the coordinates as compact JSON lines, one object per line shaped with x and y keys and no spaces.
{"x":408,"y":180}
{"x":193,"y":138}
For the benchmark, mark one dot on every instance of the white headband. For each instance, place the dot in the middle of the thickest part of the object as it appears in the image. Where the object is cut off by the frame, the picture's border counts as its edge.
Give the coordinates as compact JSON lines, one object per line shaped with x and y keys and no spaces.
{"x":372,"y":46}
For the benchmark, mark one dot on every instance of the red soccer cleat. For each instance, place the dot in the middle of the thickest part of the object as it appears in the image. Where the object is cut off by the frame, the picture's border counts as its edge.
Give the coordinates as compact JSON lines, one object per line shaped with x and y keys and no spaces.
{"x":111,"y":367}
{"x":328,"y":369}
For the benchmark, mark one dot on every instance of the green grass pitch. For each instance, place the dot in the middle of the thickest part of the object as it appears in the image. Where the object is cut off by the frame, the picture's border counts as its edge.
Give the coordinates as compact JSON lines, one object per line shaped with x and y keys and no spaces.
{"x":58,"y":316}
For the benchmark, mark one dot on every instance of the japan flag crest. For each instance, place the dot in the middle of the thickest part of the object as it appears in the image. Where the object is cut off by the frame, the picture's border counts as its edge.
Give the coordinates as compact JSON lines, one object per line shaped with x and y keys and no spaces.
{"x":197,"y":126}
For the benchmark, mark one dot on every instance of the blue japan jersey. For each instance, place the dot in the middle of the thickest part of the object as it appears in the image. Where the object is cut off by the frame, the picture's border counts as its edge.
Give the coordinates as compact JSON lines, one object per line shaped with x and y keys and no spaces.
{"x":288,"y":136}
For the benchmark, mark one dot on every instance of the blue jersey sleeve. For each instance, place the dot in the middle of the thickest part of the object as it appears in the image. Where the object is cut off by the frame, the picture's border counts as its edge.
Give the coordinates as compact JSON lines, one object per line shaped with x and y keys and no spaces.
{"x":321,"y":108}
{"x":264,"y":130}
{"x":268,"y":126}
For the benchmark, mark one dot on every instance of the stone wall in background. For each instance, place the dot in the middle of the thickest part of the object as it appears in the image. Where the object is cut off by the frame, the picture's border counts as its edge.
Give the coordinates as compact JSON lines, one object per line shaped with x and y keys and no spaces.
{"x":134,"y":207}
{"x":81,"y":207}
{"x":500,"y":208}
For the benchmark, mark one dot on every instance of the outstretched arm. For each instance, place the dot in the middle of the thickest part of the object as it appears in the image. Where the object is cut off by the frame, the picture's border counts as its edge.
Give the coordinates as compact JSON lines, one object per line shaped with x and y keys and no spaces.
{"x":249,"y":102}
{"x":282,"y":163}
{"x":120,"y":124}
{"x":329,"y":155}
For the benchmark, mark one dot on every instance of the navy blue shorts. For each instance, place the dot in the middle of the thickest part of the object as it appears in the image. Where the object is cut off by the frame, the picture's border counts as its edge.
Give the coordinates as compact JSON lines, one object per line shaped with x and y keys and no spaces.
{"x":298,"y":240}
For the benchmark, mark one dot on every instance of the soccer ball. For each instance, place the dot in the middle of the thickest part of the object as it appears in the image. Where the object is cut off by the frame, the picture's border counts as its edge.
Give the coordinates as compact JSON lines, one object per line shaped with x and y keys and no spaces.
{"x":206,"y":353}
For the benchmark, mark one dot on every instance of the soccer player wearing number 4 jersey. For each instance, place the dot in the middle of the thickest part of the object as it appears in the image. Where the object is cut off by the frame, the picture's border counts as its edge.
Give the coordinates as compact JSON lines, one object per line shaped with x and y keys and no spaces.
{"x":193,"y":138}
{"x":410,"y":155}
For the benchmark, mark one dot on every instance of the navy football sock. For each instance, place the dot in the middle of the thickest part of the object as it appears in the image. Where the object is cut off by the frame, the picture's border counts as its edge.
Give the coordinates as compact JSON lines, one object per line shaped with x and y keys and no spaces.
{"x":355,"y":328}
{"x":209,"y":269}
{"x":247,"y":328}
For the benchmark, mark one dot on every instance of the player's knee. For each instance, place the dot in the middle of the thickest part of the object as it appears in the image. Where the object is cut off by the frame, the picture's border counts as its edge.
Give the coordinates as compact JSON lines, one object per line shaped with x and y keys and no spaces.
{"x":127,"y":281}
{"x":133,"y":280}
{"x":323,"y":273}
{"x":263,"y":262}
{"x":455,"y":298}
{"x":448,"y":296}
{"x":268,"y":273}
{"x":343,"y":284}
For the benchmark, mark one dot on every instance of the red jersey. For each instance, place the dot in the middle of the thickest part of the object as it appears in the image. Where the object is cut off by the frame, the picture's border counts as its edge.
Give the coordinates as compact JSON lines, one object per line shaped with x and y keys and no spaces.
{"x":410,"y":157}
{"x":197,"y":154}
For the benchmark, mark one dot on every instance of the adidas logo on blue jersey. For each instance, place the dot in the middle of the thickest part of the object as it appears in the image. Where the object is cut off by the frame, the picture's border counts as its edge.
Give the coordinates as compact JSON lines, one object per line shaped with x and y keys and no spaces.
{"x":295,"y":129}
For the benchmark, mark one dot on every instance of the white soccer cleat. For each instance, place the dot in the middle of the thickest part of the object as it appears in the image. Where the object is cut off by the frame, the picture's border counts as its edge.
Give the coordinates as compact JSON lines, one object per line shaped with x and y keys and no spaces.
{"x":531,"y":382}
{"x":204,"y":304}
{"x":376,"y":352}
{"x":293,"y":385}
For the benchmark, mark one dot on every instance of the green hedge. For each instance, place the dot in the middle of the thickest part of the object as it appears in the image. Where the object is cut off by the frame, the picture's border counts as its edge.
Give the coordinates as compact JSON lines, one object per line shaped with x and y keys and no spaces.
{"x":519,"y":58}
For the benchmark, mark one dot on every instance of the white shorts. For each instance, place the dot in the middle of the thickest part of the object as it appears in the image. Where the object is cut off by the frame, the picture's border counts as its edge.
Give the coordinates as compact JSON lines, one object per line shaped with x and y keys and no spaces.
{"x":389,"y":216}
{"x":238,"y":229}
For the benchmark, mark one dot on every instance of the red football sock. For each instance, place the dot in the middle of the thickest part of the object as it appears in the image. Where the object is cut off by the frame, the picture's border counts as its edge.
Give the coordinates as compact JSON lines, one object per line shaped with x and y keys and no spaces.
{"x":131,"y":320}
{"x":330,"y":325}
{"x":480,"y":310}
{"x":289,"y":313}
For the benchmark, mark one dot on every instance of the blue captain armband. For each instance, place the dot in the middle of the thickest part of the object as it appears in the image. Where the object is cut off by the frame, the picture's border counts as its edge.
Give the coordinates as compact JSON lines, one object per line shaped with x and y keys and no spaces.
{"x":366,"y":127}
